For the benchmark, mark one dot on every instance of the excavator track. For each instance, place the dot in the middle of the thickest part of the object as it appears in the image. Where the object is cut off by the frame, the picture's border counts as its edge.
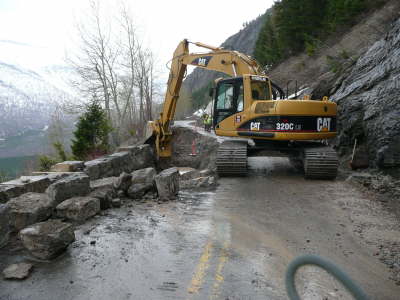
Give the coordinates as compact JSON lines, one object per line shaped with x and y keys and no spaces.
{"x":232,"y":158}
{"x":320,"y":163}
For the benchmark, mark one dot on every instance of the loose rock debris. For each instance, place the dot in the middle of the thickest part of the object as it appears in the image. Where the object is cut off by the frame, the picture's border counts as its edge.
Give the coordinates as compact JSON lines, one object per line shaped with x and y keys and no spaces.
{"x":17,"y":271}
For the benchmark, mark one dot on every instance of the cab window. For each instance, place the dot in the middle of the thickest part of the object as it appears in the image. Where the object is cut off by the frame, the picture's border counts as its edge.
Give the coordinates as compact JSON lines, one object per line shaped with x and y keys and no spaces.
{"x":260,"y":90}
{"x":240,"y":98}
{"x":225,"y":96}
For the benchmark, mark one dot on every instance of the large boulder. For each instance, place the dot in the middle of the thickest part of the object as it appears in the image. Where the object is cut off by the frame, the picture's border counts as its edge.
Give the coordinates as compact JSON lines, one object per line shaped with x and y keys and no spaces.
{"x":46,"y":240}
{"x":185,"y":140}
{"x":121,"y":162}
{"x":167,"y":183}
{"x":78,"y":209}
{"x":103,"y":189}
{"x":99,"y":168}
{"x":37,"y":184}
{"x":73,"y":185}
{"x":4,"y":224}
{"x":8,"y":191}
{"x":142,"y":157}
{"x":141,"y":183}
{"x":29,"y":208}
{"x":68,"y":166}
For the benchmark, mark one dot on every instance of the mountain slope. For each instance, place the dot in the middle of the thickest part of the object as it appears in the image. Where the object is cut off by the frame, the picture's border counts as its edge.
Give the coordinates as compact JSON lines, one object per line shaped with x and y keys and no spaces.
{"x":30,"y":91}
{"x":243,"y":41}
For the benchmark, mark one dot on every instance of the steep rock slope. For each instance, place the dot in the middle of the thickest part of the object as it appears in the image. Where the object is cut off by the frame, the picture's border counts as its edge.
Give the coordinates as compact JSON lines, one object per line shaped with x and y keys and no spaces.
{"x":243,"y":41}
{"x":369,"y":101}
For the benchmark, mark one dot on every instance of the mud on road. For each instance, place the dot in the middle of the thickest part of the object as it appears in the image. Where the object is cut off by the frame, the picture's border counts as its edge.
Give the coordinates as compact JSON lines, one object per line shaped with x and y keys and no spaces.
{"x":231,"y":243}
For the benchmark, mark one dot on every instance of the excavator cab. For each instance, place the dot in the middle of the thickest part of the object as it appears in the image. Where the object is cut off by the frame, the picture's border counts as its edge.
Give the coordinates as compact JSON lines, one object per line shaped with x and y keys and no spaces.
{"x":233,"y":96}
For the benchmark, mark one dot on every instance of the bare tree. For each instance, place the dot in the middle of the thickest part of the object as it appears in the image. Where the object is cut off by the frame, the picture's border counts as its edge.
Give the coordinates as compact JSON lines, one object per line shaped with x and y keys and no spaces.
{"x":114,"y":68}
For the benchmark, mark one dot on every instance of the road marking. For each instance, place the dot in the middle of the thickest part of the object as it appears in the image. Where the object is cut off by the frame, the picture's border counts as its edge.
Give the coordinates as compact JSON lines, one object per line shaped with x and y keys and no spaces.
{"x":219,"y":278}
{"x":198,"y":277}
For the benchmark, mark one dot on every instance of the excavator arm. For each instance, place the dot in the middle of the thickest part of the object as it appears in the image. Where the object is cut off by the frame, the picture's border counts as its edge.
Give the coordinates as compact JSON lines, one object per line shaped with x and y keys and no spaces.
{"x":229,"y":62}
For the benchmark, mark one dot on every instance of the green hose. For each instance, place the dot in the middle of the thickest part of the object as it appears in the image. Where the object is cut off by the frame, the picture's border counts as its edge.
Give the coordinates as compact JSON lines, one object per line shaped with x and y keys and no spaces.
{"x":341,"y":276}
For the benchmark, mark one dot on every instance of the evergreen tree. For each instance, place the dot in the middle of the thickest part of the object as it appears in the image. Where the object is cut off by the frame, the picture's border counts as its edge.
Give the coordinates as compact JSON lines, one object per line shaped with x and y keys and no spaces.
{"x":291,"y":26}
{"x":91,"y":134}
{"x":267,"y":49}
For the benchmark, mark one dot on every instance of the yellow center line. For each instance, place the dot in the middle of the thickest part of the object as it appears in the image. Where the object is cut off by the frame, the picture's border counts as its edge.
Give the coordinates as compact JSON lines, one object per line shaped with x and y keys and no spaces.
{"x":219,"y":278}
{"x":198,"y":277}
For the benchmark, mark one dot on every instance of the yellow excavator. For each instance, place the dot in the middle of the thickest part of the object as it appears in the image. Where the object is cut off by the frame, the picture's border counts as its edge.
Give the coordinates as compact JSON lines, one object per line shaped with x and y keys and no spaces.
{"x":248,"y":105}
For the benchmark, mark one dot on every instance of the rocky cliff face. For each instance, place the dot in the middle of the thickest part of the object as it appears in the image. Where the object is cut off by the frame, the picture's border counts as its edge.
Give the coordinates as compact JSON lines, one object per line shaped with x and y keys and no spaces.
{"x":243,"y":41}
{"x":368,"y":98}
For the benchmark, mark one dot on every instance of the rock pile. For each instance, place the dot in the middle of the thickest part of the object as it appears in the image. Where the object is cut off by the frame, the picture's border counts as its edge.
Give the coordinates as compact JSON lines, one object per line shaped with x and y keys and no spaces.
{"x":45,"y":209}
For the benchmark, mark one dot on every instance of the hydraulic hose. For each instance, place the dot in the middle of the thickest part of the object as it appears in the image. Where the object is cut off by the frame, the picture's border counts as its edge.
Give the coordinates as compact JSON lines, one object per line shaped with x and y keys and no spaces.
{"x":328,"y":266}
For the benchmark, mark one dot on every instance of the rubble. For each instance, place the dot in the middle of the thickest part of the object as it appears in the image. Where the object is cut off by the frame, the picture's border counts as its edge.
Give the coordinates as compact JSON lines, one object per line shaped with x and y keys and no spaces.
{"x":105,"y":195}
{"x":123,"y":182}
{"x":186,"y":173}
{"x":116,"y":202}
{"x":199,"y":182}
{"x":4,"y":224}
{"x":28,"y":209}
{"x":78,"y":209}
{"x":167,"y":183}
{"x":70,"y":186}
{"x":48,"y":239}
{"x":17,"y":271}
{"x":68,"y":166}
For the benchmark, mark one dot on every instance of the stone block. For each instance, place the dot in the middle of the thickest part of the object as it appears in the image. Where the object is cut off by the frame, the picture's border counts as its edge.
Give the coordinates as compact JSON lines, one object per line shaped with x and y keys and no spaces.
{"x":121,"y":162}
{"x":78,"y":209}
{"x":46,"y":240}
{"x":103,"y":182}
{"x":167,"y":183}
{"x":99,"y":168}
{"x":142,"y":157}
{"x":28,"y":209}
{"x":77,"y":184}
{"x":36,"y":184}
{"x":68,"y":166}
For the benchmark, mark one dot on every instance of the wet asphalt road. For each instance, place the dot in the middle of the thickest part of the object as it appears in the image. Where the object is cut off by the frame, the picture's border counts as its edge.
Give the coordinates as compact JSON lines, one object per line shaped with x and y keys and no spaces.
{"x":232,"y":243}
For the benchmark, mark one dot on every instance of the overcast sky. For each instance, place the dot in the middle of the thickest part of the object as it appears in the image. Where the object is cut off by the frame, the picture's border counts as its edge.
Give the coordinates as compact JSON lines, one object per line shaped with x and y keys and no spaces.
{"x":162,"y":24}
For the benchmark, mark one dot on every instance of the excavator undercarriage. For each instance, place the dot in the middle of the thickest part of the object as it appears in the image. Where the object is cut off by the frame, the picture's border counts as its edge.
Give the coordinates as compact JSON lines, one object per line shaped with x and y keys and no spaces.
{"x":317,"y":160}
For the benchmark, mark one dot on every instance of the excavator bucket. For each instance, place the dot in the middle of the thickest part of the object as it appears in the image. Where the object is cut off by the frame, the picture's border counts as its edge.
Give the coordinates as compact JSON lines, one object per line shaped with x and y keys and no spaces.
{"x":149,"y":134}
